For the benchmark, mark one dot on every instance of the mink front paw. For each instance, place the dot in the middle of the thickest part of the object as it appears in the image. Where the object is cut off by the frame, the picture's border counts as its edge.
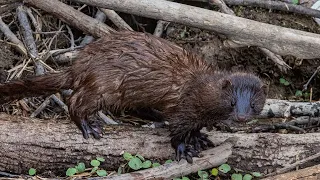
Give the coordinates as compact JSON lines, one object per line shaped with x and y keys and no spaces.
{"x":201,"y":142}
{"x":186,"y":151}
{"x":88,"y":128}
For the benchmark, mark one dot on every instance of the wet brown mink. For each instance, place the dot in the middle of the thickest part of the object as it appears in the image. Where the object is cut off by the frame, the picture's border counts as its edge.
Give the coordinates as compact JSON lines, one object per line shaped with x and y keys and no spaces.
{"x":132,"y":70}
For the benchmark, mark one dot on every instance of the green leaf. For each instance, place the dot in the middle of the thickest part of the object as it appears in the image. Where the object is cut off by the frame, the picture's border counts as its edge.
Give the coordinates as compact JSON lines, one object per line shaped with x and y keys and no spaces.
{"x":127,"y":156}
{"x":101,"y":159}
{"x":81,"y":167}
{"x":225,"y":168}
{"x":185,"y":178}
{"x":94,"y":170}
{"x":156,"y":165}
{"x":140,"y":157}
{"x":176,"y":179}
{"x":203,"y":174}
{"x":247,"y":177}
{"x":295,"y":2}
{"x":168,"y":161}
{"x":306,"y":95}
{"x":135,"y":163}
{"x":287,"y":83}
{"x":146,"y":164}
{"x":298,"y":93}
{"x":95,"y":163}
{"x":256,"y":174}
{"x":102,"y":173}
{"x":214,"y":172}
{"x":119,"y":170}
{"x":236,"y":176}
{"x":71,"y":171}
{"x":282,"y":80}
{"x":32,"y":171}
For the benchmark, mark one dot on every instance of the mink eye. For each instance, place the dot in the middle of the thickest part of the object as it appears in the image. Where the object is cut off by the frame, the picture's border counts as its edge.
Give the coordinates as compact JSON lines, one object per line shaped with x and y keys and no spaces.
{"x":252,"y":105}
{"x":233,"y":103}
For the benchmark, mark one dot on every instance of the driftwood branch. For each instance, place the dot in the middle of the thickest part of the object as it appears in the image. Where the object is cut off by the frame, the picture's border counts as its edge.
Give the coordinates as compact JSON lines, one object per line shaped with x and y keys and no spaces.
{"x":57,"y":145}
{"x":282,"y":41}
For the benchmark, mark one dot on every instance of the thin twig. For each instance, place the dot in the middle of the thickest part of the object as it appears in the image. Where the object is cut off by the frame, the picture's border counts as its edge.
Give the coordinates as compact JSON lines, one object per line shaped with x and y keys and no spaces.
{"x":29,"y":40}
{"x":101,"y":17}
{"x":105,"y":118}
{"x":116,"y":19}
{"x":160,"y":27}
{"x":44,"y":104}
{"x":72,"y":45}
{"x":305,"y":86}
{"x":12,"y":38}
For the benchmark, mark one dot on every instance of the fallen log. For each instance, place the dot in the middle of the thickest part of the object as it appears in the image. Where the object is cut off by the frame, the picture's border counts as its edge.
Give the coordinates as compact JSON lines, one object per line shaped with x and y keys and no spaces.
{"x":52,"y":145}
{"x":282,"y":41}
{"x":301,"y":174}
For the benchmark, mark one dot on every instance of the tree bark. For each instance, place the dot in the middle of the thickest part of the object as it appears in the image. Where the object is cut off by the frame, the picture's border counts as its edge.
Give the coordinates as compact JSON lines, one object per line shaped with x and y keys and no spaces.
{"x":56,"y":145}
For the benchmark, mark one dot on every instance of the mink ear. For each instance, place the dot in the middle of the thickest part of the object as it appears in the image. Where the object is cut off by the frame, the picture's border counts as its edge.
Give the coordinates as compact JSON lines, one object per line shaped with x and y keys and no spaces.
{"x":264,"y":89}
{"x":226,"y":83}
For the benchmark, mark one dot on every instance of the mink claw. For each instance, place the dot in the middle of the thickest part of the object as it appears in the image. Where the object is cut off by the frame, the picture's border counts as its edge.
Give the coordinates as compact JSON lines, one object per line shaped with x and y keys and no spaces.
{"x":201,"y":141}
{"x":87,"y":129}
{"x":187,"y":152}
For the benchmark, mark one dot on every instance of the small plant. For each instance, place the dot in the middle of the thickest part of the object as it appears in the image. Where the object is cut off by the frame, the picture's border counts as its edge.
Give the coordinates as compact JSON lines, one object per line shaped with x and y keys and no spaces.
{"x":225,"y":169}
{"x":32,"y":171}
{"x":80,"y":168}
{"x":203,"y":175}
{"x":305,"y":95}
{"x":137,"y":162}
{"x":284,"y":82}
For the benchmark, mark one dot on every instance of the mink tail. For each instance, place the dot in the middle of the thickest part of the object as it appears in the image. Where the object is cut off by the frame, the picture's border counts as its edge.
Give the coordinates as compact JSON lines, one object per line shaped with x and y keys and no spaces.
{"x":35,"y":86}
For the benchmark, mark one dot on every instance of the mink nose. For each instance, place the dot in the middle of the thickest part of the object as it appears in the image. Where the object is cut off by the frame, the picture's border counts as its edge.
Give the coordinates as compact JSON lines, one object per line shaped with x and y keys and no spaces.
{"x":241,"y":117}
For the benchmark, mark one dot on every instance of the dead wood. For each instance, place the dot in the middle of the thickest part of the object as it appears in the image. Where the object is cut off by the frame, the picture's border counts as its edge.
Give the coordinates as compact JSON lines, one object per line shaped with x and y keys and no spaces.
{"x":50,"y":145}
{"x":116,"y":19}
{"x":182,"y":168}
{"x":274,"y":57}
{"x":276,"y":5}
{"x":282,"y":41}
{"x":12,"y":38}
{"x":310,"y":173}
{"x":71,"y":16}
{"x":283,"y":108}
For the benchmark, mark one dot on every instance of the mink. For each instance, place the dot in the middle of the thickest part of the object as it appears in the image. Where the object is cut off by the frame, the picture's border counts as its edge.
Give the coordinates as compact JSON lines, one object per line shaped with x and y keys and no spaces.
{"x":133,"y":70}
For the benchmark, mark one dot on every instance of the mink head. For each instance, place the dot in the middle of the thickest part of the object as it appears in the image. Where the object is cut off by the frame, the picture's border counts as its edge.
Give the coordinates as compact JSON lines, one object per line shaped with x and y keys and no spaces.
{"x":244,"y":94}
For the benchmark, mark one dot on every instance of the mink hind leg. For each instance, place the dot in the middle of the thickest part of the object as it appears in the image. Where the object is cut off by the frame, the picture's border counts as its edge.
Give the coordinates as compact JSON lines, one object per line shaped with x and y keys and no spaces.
{"x":80,"y":108}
